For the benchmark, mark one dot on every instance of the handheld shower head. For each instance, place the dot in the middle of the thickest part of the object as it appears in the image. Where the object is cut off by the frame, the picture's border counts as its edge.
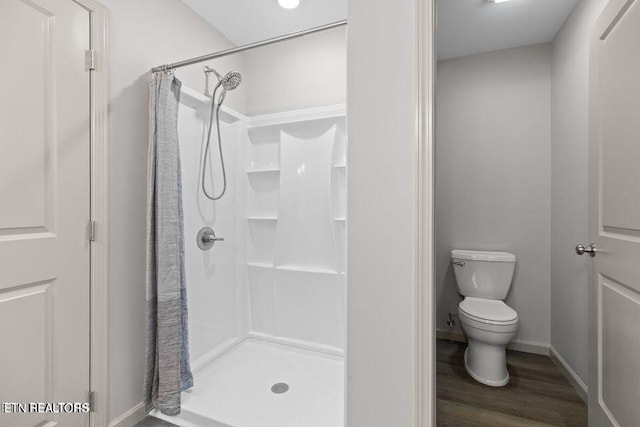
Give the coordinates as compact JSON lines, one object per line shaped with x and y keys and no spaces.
{"x":229,"y":81}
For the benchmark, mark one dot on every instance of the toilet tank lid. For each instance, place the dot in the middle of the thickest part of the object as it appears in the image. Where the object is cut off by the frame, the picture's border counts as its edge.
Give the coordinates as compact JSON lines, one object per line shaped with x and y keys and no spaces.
{"x":483,"y":255}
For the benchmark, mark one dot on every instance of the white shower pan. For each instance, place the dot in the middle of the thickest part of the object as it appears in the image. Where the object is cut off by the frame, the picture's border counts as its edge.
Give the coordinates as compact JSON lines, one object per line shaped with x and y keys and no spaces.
{"x":235,"y":389}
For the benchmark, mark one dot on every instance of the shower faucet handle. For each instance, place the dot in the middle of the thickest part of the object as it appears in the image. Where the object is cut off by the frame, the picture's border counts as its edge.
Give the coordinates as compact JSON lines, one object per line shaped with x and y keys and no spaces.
{"x":206,"y":238}
{"x":210,"y":237}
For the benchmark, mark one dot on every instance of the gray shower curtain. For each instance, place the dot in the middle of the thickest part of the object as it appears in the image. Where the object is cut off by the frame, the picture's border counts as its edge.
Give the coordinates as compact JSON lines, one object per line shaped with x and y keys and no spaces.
{"x":167,"y":371}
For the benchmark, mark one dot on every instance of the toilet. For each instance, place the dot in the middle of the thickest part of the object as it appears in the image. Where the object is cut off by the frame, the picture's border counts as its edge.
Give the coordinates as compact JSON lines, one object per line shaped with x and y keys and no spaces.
{"x":484,"y":279}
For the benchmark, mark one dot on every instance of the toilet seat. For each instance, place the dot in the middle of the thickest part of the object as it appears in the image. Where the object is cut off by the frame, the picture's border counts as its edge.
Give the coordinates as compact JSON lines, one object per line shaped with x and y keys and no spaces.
{"x":488,"y":311}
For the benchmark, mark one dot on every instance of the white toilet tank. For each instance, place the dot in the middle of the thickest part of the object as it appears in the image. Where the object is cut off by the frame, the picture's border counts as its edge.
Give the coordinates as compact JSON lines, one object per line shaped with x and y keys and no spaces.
{"x":483,"y":274}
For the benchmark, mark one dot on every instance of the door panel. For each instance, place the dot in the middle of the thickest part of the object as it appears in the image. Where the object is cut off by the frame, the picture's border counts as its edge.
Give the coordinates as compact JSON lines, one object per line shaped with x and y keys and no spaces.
{"x":614,"y":217}
{"x":25,"y":206}
{"x":29,"y":346}
{"x":619,"y":350}
{"x":620,"y":85}
{"x":45,"y":207}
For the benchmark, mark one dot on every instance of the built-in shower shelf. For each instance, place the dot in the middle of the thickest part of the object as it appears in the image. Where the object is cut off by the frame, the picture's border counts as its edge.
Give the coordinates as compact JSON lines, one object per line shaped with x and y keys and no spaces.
{"x":298,"y":268}
{"x":265,"y":170}
{"x":260,"y":264}
{"x":277,"y":170}
{"x":275,"y":218}
{"x":262,"y":218}
{"x":307,"y":269}
{"x":266,"y":129}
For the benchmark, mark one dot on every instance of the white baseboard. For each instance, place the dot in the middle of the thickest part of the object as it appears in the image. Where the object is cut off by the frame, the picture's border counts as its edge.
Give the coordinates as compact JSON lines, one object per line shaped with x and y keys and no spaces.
{"x":525,"y":346}
{"x":568,"y":372}
{"x":535,"y":347}
{"x":130,"y":418}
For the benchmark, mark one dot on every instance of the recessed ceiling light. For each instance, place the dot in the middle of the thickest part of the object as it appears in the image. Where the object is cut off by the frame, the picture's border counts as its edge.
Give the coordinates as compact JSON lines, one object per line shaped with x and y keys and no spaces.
{"x":291,"y":4}
{"x":498,"y":1}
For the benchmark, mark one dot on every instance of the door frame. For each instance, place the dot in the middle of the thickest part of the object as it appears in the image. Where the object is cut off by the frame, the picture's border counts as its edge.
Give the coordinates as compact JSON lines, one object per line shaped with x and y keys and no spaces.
{"x":99,"y":257}
{"x":426,"y":17}
{"x":375,"y":344}
{"x":424,"y":72}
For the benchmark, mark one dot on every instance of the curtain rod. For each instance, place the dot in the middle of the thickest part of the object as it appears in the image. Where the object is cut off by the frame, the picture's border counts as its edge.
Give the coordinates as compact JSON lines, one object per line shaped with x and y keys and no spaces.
{"x":249,"y":46}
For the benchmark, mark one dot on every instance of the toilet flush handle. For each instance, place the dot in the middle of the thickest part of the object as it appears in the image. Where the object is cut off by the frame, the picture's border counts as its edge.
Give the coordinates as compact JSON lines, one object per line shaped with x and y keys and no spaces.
{"x":458,"y":262}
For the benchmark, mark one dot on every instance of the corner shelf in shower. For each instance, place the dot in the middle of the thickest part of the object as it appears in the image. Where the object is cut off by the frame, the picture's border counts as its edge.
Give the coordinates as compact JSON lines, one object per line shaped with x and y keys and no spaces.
{"x":297,"y":268}
{"x":265,"y":170}
{"x":260,"y":264}
{"x":262,"y":218}
{"x":266,"y":128}
{"x":275,"y":218}
{"x":303,"y":269}
{"x":277,"y":170}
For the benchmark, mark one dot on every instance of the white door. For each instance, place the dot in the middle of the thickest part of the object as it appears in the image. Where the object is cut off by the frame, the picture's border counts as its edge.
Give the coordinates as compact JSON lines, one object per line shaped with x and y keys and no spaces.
{"x":614,"y":217}
{"x":44,"y":208}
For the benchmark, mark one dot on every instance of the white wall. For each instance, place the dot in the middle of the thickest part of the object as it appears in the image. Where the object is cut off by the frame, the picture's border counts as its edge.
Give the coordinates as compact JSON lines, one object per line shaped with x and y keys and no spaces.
{"x":302,"y":73}
{"x":382,"y":201}
{"x":143,"y":34}
{"x":569,"y":189}
{"x":493,"y":175}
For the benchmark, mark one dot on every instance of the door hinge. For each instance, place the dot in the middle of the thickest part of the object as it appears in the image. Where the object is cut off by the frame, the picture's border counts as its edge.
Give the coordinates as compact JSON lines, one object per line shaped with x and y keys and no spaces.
{"x":89,"y":60}
{"x":92,"y":401}
{"x":92,"y":231}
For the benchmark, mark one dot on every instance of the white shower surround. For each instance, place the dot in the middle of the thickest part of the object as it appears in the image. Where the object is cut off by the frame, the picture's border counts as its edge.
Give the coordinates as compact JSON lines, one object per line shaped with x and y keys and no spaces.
{"x":218,"y":317}
{"x":296,"y":241}
{"x":261,"y":280}
{"x":277,"y":282}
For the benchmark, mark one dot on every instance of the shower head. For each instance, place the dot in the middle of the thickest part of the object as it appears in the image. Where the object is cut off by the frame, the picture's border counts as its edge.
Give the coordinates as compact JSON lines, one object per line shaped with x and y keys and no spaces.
{"x":229,"y":81}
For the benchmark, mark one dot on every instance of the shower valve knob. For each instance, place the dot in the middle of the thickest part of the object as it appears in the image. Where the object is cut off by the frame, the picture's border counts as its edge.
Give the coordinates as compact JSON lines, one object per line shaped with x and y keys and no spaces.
{"x":206,"y":238}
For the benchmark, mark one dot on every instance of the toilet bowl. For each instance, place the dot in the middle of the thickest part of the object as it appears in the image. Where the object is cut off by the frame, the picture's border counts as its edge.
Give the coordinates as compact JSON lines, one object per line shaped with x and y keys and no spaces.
{"x":490,"y":325}
{"x":484,"y":279}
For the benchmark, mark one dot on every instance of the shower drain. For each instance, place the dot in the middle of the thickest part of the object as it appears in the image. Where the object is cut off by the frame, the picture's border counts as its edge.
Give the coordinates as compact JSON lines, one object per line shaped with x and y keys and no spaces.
{"x":280,"y":388}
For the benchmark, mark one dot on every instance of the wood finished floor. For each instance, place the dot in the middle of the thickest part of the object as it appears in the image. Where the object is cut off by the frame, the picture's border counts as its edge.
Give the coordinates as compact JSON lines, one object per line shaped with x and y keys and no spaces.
{"x":537,"y":395}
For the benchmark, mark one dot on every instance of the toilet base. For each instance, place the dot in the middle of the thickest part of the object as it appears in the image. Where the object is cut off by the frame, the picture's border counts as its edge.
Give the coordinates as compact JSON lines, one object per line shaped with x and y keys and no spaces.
{"x":486,"y":363}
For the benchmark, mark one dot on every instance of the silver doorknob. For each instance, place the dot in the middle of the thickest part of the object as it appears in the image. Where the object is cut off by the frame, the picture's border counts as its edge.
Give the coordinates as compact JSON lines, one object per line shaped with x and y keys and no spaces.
{"x":590,"y":249}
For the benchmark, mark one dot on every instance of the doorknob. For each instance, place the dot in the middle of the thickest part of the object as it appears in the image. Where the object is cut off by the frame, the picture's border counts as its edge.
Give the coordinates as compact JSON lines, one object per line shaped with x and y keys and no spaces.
{"x":590,"y":249}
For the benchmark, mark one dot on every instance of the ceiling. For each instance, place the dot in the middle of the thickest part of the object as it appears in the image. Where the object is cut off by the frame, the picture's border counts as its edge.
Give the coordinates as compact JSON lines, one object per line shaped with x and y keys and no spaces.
{"x":467,"y":27}
{"x":247,"y":21}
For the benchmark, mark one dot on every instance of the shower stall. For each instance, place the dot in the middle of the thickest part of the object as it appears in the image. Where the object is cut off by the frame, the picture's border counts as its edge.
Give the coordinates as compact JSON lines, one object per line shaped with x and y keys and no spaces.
{"x":265,"y":254}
